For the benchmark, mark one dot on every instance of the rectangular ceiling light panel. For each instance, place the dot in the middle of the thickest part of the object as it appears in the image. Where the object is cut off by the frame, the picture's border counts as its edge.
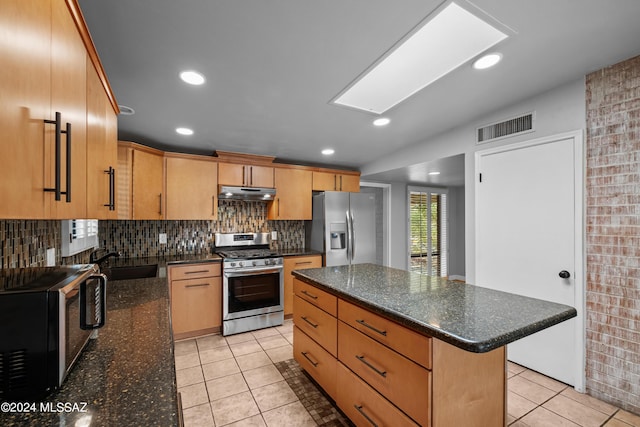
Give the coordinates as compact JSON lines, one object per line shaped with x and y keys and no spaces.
{"x":446,"y":41}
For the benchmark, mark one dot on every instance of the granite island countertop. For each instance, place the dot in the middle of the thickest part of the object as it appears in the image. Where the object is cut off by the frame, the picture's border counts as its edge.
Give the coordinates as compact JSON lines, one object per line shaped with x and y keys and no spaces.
{"x":470,"y":317}
{"x":127,"y":375}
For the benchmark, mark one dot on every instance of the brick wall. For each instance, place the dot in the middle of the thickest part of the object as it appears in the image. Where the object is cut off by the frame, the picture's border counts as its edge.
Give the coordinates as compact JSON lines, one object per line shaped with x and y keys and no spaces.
{"x":613,"y":234}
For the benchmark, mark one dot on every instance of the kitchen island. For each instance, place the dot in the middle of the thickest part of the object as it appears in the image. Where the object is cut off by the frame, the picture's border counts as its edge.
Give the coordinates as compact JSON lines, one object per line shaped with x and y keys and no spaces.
{"x":380,"y":340}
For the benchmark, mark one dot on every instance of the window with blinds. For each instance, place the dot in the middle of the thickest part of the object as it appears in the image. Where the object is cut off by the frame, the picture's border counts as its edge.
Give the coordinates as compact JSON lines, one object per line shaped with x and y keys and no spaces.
{"x":79,"y":235}
{"x":428,"y":231}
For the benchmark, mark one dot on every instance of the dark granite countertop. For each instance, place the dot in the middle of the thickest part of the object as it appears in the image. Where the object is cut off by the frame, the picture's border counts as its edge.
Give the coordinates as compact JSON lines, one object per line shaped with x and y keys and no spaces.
{"x":127,"y":375}
{"x":298,"y":252}
{"x":470,"y":317}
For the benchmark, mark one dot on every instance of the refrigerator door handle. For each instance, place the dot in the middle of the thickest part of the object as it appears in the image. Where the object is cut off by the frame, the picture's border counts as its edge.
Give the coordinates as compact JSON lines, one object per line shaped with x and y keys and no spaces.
{"x":353,"y":239}
{"x":349,"y":242}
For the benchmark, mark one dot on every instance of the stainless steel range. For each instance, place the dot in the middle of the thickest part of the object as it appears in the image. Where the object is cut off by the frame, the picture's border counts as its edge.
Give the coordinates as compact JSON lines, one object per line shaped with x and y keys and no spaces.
{"x":253,"y":282}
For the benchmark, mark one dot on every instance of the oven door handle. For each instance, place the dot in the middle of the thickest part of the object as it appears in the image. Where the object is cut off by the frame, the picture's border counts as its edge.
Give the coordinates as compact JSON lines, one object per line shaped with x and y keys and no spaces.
{"x":252,"y":271}
{"x":99,"y":299}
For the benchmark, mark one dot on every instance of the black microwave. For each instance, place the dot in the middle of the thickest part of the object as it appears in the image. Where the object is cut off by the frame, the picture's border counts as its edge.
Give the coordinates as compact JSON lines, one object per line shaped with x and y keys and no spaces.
{"x":47,"y":316}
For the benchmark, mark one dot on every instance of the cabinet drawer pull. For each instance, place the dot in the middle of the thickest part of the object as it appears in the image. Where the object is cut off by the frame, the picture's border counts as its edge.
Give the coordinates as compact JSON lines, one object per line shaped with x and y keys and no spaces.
{"x":309,"y":294}
{"x":373,"y":328}
{"x":315,"y":325}
{"x":196,"y":272}
{"x":377,"y":371}
{"x":304,"y":353}
{"x":304,"y":262}
{"x":359,"y":409}
{"x":198,"y":285}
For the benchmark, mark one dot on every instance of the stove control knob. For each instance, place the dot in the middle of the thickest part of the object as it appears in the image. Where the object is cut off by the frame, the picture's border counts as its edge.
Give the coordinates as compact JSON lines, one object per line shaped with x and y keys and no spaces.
{"x":267,"y":261}
{"x":240,"y":264}
{"x":254,"y":263}
{"x":233,"y":264}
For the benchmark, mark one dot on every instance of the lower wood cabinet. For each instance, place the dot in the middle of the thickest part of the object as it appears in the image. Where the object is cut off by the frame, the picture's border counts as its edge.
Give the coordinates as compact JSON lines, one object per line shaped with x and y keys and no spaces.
{"x":296,"y":263}
{"x":196,"y":299}
{"x":387,"y":375}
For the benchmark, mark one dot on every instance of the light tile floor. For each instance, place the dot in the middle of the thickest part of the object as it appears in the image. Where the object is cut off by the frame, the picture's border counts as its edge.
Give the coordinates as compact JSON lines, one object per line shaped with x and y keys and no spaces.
{"x":232,"y":381}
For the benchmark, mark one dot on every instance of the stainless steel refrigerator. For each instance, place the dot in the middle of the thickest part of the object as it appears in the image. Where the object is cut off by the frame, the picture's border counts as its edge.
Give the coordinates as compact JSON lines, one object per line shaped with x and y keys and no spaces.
{"x":344,"y":227}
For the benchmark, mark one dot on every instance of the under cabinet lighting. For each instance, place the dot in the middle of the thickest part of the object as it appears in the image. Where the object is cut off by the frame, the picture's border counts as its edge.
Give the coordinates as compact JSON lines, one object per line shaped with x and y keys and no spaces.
{"x":184,"y":131}
{"x":443,"y":42}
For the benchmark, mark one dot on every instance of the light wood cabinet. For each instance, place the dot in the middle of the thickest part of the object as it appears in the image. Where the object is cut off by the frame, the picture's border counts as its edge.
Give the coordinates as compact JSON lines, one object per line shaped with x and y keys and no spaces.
{"x":245,"y":175}
{"x":386,"y":374}
{"x":296,"y":263}
{"x":293,"y":195}
{"x":192,"y":189}
{"x":331,"y":181}
{"x":140,"y":182}
{"x":196,"y":299}
{"x":43,"y":72}
{"x":102,"y":150}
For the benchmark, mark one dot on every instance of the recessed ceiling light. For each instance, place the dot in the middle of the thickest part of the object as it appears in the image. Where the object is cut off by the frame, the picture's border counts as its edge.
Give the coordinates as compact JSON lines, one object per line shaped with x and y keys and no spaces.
{"x":434,"y":173}
{"x":184,"y":131}
{"x":382,"y":121}
{"x":192,"y":77}
{"x":328,"y":151}
{"x":487,"y":61}
{"x":445,"y":40}
{"x":126,"y":111}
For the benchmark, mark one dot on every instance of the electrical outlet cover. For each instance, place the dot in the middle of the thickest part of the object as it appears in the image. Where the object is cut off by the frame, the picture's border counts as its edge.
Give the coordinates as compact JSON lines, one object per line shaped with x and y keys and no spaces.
{"x":163,"y":238}
{"x":274,"y":235}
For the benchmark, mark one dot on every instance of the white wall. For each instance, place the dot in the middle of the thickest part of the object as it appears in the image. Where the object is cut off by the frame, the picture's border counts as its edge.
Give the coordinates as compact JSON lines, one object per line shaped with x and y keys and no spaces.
{"x":557,"y":111}
{"x":455,"y":229}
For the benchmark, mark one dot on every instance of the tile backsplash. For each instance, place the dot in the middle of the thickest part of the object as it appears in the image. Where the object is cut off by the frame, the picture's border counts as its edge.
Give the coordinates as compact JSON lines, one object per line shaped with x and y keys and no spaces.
{"x":25,"y":242}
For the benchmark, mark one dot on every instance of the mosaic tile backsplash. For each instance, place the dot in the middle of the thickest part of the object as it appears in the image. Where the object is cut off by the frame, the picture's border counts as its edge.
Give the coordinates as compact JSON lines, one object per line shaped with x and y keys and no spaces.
{"x":25,"y":242}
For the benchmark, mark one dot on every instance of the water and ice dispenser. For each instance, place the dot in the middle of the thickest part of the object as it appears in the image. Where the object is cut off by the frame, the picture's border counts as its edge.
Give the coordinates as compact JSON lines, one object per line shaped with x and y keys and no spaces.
{"x":337,"y":235}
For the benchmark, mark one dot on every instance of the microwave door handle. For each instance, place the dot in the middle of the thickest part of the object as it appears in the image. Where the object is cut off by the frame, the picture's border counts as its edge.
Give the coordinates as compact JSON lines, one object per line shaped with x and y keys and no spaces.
{"x":100,"y":300}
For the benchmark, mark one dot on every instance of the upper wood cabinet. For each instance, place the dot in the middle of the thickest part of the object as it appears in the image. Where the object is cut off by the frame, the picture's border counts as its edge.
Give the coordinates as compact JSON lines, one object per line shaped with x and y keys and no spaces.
{"x":293,"y":194}
{"x":331,"y":181}
{"x":43,"y":73}
{"x":192,"y":188}
{"x":245,"y":175}
{"x":102,"y":150}
{"x":140,"y":182}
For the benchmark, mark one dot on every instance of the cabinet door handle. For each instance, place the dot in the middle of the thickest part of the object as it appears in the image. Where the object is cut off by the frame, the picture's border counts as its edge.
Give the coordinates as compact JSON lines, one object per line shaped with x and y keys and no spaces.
{"x":244,"y":175}
{"x":213,"y":207}
{"x":376,"y":370}
{"x":335,"y":182}
{"x":310,"y":295}
{"x":314,"y":325}
{"x":251,"y":175}
{"x":57,"y":187}
{"x":373,"y":328}
{"x":340,"y":182}
{"x":304,"y":353}
{"x":112,"y":173}
{"x":160,"y":211}
{"x":304,"y":262}
{"x":197,"y":285}
{"x":359,"y":409}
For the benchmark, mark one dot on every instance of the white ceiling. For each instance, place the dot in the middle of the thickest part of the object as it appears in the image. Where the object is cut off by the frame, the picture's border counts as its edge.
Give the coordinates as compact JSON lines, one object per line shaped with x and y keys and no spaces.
{"x":272,"y":68}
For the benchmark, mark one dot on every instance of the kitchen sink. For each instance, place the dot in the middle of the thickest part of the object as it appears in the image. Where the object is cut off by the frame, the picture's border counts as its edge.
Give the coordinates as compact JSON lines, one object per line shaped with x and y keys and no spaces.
{"x":131,"y":272}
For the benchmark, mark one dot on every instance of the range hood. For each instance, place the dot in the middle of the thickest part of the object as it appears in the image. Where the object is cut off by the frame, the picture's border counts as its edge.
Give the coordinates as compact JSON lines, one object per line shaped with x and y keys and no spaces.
{"x":246,"y":193}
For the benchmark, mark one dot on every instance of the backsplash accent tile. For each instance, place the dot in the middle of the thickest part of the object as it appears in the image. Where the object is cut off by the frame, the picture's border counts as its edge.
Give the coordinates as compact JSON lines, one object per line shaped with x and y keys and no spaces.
{"x":24,"y":243}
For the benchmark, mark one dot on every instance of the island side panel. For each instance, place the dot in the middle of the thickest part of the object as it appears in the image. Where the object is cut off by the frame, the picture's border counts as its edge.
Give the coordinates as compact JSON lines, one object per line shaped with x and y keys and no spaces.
{"x":468,"y":388}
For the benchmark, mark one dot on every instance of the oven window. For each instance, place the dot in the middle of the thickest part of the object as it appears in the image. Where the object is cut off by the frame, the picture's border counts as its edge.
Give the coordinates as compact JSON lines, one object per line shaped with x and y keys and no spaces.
{"x":75,"y":337}
{"x":251,"y":292}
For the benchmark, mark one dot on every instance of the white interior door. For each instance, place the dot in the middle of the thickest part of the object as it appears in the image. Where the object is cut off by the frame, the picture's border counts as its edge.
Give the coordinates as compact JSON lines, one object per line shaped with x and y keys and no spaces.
{"x":528,"y":229}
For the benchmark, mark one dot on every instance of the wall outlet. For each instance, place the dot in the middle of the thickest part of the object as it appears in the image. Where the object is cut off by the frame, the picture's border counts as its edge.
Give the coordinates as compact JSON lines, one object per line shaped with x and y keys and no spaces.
{"x":51,"y":257}
{"x":274,"y":235}
{"x":163,"y":238}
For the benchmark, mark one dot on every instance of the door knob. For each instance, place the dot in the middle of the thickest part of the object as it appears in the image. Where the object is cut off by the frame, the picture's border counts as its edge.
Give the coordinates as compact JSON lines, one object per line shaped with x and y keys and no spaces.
{"x":564,"y":274}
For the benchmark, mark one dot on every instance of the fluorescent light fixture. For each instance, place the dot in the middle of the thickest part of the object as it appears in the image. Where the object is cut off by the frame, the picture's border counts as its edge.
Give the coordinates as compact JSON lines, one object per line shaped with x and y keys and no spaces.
{"x":487,"y":61}
{"x":382,"y":121}
{"x":328,"y":151}
{"x":184,"y":131}
{"x":192,"y":77}
{"x":445,"y":41}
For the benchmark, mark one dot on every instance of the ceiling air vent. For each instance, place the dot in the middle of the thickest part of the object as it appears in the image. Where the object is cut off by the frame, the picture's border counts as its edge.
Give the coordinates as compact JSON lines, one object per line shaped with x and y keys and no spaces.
{"x":514,"y":126}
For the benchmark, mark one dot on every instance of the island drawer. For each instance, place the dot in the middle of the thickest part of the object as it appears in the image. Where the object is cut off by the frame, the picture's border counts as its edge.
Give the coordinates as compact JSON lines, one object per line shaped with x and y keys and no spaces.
{"x":405,"y":383}
{"x":365,"y":406}
{"x":317,"y":297}
{"x":317,"y":324}
{"x":194,"y":271}
{"x":315,"y":360}
{"x":411,"y":344}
